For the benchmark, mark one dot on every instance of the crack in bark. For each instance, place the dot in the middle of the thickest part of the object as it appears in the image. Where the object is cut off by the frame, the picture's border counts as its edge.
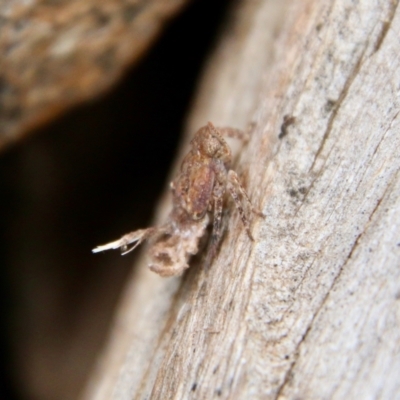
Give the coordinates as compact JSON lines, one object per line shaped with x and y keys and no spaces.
{"x":381,"y":37}
{"x":386,"y":25}
{"x":337,"y":105}
{"x":303,"y":338}
{"x":385,"y":133}
{"x":348,"y":258}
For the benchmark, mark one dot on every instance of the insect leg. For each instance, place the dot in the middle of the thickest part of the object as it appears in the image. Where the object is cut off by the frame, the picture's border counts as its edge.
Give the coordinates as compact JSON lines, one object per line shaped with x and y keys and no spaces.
{"x":241,"y":200}
{"x":216,"y":235}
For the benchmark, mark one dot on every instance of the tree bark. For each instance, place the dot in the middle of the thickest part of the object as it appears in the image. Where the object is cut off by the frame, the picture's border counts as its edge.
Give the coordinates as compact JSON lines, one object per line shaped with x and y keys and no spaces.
{"x":57,"y":54}
{"x":311,"y":308}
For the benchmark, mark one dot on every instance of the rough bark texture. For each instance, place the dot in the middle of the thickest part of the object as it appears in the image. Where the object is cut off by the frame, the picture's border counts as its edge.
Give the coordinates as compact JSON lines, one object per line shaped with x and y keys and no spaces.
{"x":56,"y":54}
{"x":311,"y":309}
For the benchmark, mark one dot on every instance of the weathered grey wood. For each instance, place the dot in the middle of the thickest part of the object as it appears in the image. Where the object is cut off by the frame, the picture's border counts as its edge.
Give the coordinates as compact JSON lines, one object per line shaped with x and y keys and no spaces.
{"x":311,"y":309}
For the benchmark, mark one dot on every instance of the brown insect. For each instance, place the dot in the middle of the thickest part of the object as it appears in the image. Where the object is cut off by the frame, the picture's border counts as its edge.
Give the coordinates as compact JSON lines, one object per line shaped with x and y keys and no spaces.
{"x":197,"y":192}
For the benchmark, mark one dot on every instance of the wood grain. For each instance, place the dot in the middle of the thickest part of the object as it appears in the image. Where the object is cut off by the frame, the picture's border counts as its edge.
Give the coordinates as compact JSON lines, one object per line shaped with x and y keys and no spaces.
{"x":311,"y":309}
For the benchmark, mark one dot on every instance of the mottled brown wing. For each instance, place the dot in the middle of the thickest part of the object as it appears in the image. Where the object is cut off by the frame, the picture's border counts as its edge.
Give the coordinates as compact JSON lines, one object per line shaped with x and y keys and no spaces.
{"x":200,"y":191}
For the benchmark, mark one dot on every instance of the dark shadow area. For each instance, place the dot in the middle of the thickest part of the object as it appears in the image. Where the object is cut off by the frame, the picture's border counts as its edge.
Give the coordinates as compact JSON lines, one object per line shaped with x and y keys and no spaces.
{"x":93,"y":175}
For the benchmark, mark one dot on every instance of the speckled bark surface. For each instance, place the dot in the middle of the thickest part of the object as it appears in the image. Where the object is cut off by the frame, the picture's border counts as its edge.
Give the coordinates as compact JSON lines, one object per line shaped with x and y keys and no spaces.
{"x":56,"y":54}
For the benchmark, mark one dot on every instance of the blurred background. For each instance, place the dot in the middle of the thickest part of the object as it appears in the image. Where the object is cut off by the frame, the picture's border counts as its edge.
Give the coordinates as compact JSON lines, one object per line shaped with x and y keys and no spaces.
{"x":81,"y":180}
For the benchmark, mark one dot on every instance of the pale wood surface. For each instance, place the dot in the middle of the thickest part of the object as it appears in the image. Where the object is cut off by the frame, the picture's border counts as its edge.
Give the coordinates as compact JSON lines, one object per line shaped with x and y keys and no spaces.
{"x":311,"y":309}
